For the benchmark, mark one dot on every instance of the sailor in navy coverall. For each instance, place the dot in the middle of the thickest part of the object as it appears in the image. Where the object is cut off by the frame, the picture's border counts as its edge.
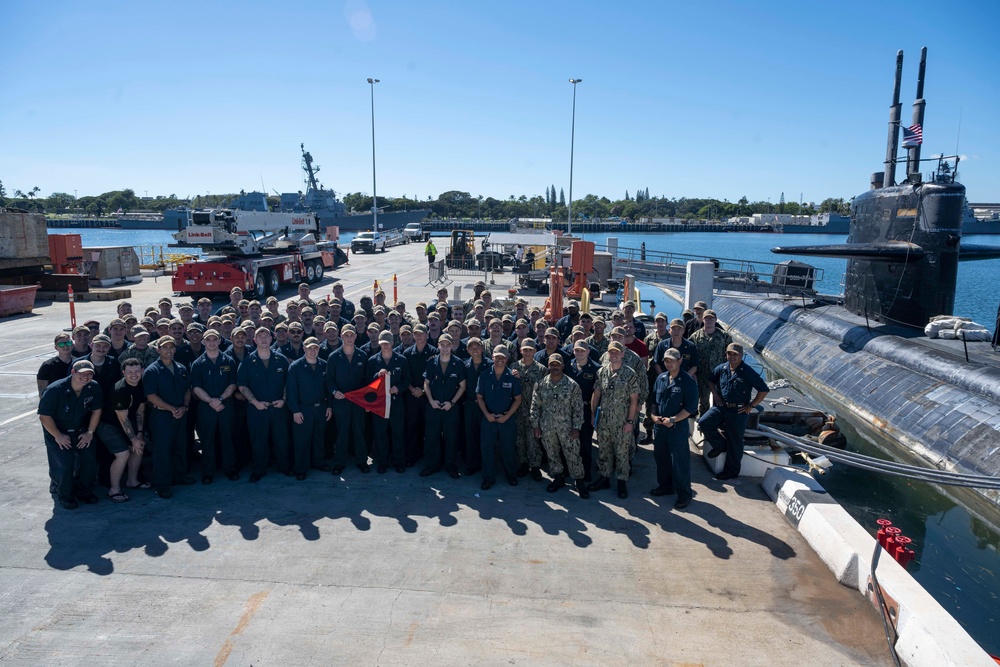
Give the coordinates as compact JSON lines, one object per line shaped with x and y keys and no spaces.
{"x":390,"y":446}
{"x":444,"y":384}
{"x":417,"y":356}
{"x":583,"y":369}
{"x":261,"y":379}
{"x":473,"y":415}
{"x":308,"y":403}
{"x":168,"y":390}
{"x":213,"y":381}
{"x":499,"y":397}
{"x":675,"y":399}
{"x":732,"y":384}
{"x":70,"y":410}
{"x":346,"y":371}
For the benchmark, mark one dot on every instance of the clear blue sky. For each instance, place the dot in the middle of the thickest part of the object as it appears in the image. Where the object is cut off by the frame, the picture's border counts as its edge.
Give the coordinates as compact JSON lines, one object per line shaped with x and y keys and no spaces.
{"x":706,"y":99}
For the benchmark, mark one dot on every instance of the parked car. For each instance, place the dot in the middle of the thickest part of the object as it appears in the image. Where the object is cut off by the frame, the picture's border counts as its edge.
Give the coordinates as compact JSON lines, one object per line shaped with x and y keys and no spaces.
{"x":368,"y":242}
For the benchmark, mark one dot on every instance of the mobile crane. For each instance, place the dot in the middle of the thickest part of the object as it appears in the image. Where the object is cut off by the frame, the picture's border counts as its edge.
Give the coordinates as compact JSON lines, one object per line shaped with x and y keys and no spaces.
{"x":256,"y":251}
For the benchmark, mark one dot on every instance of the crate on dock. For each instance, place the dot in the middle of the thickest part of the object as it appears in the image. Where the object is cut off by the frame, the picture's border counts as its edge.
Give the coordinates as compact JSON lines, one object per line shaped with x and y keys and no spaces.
{"x":15,"y":300}
{"x":111,"y":265}
{"x":23,"y":235}
{"x":24,"y":248}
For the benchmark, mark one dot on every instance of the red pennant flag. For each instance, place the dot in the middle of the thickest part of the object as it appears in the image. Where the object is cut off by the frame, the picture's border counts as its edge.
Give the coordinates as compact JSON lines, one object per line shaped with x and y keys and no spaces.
{"x":373,"y":397}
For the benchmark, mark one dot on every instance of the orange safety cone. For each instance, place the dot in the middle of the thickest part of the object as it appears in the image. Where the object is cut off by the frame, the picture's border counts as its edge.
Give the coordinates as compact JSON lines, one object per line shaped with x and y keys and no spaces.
{"x":72,"y":307}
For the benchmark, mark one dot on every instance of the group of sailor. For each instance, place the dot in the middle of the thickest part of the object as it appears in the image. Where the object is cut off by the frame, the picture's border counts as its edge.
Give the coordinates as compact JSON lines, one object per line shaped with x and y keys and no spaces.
{"x":466,"y":384}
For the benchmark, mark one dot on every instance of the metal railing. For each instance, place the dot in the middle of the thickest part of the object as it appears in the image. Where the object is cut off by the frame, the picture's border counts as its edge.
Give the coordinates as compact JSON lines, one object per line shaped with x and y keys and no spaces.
{"x":436,"y":272}
{"x":163,"y":257}
{"x":730,"y":274}
{"x":467,"y":266}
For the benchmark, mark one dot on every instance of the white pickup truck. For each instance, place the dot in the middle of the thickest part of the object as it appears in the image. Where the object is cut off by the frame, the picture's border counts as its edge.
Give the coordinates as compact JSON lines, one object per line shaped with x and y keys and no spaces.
{"x":368,"y":242}
{"x":413,"y":232}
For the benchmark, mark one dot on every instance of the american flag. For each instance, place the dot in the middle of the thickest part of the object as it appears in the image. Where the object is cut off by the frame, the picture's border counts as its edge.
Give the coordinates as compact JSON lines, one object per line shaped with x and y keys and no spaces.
{"x":913,"y":136}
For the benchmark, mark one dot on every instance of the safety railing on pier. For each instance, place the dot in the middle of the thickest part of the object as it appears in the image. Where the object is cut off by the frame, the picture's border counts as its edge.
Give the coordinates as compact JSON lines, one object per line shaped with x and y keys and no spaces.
{"x":596,"y":226}
{"x":163,"y":258}
{"x":730,"y":274}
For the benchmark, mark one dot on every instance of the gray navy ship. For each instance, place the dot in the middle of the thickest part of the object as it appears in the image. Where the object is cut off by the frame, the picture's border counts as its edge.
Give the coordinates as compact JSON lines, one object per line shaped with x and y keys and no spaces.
{"x":327,"y":206}
{"x":331,"y":210}
{"x":865,"y":354}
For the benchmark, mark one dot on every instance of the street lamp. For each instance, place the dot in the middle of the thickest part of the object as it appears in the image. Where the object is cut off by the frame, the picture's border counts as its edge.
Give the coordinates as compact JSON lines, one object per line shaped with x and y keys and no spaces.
{"x":372,"y":83}
{"x":572,"y":141}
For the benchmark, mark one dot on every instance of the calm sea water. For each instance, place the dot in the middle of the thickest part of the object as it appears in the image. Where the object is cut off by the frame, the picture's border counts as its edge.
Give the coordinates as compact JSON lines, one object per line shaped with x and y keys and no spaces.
{"x":956,"y":553}
{"x":975,"y":297}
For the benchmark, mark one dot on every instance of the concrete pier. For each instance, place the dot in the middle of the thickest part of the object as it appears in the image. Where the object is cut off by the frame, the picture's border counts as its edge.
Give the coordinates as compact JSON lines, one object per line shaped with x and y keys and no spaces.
{"x":395,"y":568}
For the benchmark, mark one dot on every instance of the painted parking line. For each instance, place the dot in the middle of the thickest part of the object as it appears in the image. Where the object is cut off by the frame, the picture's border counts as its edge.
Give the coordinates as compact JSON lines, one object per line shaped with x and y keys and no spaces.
{"x":20,"y":416}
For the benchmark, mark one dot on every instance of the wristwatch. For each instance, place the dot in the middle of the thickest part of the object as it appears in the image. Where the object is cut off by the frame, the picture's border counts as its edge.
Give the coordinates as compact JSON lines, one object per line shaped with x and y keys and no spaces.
{"x":671,"y":420}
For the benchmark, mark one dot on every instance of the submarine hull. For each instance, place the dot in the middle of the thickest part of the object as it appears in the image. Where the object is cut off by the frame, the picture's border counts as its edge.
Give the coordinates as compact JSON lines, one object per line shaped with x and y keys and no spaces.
{"x":923,"y":401}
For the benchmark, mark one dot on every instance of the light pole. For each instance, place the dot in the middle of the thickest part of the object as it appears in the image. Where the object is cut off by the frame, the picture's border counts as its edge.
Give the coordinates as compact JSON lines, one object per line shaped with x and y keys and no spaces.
{"x":572,"y":141}
{"x":372,"y":83}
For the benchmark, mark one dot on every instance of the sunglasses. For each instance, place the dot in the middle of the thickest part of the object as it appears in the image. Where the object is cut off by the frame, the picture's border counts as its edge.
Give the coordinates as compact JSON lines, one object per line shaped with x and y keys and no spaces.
{"x":94,"y":328}
{"x":65,"y":343}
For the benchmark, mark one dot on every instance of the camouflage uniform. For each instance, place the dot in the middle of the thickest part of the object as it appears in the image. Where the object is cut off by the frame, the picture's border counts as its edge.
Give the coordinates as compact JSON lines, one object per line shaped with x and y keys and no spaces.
{"x":600,"y":345}
{"x":711,"y":353}
{"x":651,"y":341}
{"x":614,"y":445}
{"x":512,"y":354}
{"x":556,"y":409}
{"x":638,"y":366}
{"x":147,"y":356}
{"x":529,"y":450}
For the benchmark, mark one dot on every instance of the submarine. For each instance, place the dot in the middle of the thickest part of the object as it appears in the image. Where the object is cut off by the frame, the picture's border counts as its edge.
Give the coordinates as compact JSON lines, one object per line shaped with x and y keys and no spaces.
{"x":864,"y":354}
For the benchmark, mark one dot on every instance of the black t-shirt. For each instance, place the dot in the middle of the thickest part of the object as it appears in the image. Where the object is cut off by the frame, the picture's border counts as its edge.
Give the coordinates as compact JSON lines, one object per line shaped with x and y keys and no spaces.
{"x":53,"y":369}
{"x":123,"y":397}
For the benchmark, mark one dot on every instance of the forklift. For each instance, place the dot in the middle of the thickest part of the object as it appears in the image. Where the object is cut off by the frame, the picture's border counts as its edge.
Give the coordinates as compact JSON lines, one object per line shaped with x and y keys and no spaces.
{"x":462,"y":253}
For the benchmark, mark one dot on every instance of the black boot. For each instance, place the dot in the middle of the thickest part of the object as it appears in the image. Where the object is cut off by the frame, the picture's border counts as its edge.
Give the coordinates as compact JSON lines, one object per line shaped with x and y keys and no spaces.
{"x":601,"y":483}
{"x":522,"y":471}
{"x":557,"y":483}
{"x":622,"y":489}
{"x":536,"y":474}
{"x":581,"y":488}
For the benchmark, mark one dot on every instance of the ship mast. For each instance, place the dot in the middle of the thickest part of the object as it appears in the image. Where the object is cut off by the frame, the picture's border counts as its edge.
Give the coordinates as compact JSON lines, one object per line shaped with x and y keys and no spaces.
{"x":311,"y":171}
{"x":913,"y":157}
{"x":894,"y":113}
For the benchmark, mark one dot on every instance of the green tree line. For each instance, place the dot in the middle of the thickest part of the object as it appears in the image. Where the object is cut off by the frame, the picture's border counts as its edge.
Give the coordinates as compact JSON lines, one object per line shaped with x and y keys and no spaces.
{"x":450,"y":204}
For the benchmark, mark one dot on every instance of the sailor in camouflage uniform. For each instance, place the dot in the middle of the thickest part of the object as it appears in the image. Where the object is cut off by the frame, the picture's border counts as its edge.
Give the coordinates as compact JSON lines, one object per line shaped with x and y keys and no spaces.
{"x":147,"y":354}
{"x":632,"y":360}
{"x":598,"y":340}
{"x":530,"y":373}
{"x":711,"y":343}
{"x":638,"y":365}
{"x":617,"y":395}
{"x":496,"y":339}
{"x":556,"y":417}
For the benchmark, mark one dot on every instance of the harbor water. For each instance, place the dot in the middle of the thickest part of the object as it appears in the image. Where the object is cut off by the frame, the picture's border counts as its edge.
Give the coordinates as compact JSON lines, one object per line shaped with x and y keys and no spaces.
{"x":956,"y":552}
